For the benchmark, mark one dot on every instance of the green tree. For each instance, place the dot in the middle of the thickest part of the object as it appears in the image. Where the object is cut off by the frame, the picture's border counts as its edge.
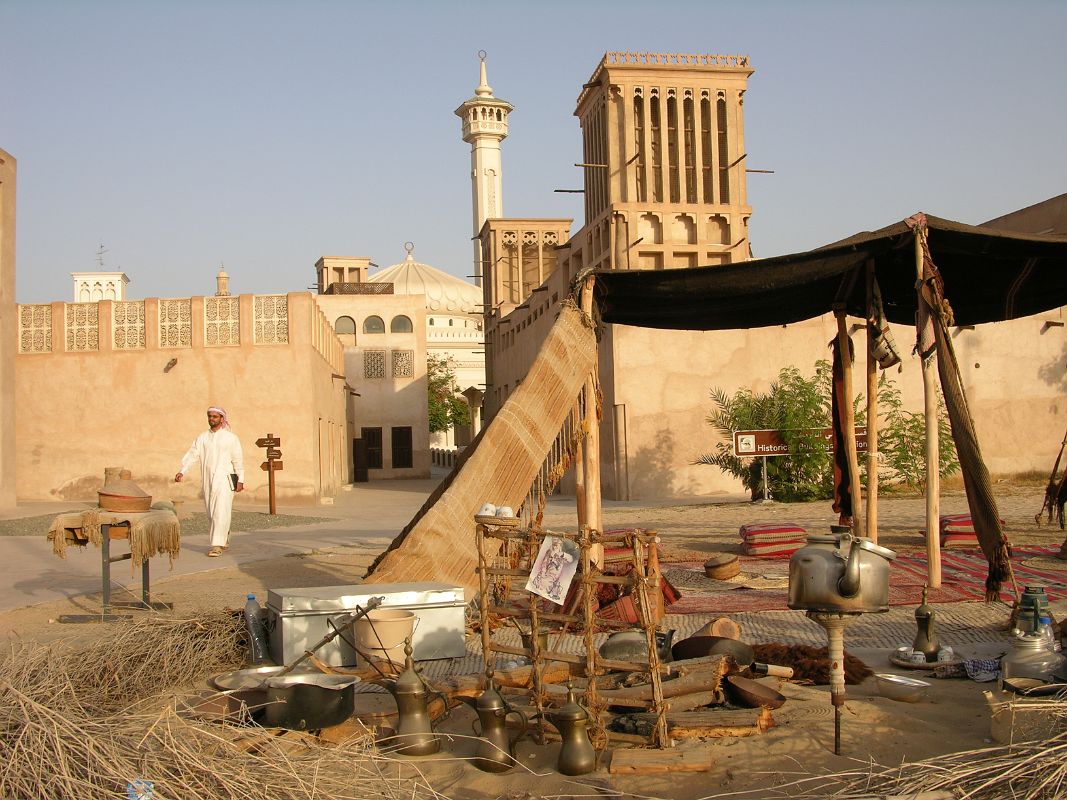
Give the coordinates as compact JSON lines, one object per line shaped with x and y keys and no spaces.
{"x":902,"y":440}
{"x":799,"y":407}
{"x":447,"y":408}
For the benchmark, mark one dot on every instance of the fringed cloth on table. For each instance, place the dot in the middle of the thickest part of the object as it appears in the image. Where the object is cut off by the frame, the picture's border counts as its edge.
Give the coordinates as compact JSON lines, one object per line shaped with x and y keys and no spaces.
{"x":935,"y":319}
{"x":151,"y":532}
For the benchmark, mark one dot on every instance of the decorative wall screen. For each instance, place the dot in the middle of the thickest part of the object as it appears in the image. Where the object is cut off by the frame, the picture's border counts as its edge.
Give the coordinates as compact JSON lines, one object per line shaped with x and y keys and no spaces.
{"x":403,"y":363}
{"x":222,"y":321}
{"x":35,"y":329}
{"x":175,"y":323}
{"x":373,"y":363}
{"x":82,"y":322}
{"x":127,"y":324}
{"x":271,"y":314}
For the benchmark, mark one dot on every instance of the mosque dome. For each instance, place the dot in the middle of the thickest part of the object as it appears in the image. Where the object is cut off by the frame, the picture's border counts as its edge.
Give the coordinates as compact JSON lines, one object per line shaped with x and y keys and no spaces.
{"x":445,"y":294}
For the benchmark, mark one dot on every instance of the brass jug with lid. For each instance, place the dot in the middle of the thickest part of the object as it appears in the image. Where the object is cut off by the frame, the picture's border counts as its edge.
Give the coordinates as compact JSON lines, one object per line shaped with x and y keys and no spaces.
{"x":576,"y":754}
{"x":926,"y":641}
{"x":495,"y":751}
{"x":414,"y":733}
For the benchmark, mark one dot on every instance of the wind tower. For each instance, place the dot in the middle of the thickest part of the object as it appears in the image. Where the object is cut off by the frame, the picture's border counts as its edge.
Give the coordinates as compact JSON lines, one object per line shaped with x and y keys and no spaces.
{"x":485,"y":125}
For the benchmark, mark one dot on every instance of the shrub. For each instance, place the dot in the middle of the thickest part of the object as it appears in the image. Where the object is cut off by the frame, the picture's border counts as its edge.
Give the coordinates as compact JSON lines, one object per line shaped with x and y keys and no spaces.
{"x":799,"y":408}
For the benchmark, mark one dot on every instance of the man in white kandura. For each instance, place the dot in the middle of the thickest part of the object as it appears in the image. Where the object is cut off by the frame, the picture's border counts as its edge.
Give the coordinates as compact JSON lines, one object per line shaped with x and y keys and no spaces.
{"x":223,"y":472}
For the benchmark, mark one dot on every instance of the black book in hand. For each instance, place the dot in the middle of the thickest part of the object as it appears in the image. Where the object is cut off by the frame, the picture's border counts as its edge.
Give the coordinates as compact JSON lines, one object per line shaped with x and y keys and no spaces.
{"x":233,"y":481}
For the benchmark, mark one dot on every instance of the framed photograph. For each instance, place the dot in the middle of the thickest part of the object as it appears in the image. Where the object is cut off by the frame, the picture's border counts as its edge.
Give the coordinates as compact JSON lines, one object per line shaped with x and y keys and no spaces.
{"x":554,"y":568}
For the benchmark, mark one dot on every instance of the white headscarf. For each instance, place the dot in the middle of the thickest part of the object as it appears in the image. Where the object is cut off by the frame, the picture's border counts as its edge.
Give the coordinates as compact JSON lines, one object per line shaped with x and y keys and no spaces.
{"x":222,"y":411}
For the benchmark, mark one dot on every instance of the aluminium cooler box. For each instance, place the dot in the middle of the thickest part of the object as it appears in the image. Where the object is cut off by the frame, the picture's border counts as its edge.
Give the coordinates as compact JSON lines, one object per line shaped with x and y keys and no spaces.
{"x":297,"y":619}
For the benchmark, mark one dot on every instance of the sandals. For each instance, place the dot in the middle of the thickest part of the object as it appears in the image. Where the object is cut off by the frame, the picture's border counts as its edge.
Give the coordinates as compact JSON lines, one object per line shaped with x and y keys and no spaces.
{"x":215,"y":552}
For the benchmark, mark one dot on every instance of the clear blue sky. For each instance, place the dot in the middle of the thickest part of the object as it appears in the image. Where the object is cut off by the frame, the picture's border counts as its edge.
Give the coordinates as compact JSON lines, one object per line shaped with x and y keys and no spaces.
{"x":266,"y":134}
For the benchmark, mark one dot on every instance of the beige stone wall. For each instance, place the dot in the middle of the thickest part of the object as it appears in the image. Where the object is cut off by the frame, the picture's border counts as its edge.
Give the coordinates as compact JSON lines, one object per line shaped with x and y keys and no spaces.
{"x":656,"y":394}
{"x":8,"y":330}
{"x":385,"y":399}
{"x":80,"y":411}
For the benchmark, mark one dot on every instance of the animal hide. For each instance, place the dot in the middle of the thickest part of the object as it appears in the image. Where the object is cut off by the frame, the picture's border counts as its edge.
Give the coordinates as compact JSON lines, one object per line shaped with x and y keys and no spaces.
{"x":810,"y":663}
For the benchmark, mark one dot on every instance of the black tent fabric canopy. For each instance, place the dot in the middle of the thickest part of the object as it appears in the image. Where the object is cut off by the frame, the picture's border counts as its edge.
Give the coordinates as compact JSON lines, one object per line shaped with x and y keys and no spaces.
{"x":989,"y":275}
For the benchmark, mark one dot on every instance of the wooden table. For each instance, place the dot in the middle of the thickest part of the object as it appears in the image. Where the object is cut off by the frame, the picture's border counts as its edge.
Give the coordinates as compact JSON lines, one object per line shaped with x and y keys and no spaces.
{"x":113,"y":526}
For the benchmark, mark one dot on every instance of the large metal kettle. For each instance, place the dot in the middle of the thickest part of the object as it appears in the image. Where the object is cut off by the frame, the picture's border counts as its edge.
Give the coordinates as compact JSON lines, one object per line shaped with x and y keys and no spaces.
{"x":840,"y":573}
{"x":414,"y":733}
{"x":495,"y":751}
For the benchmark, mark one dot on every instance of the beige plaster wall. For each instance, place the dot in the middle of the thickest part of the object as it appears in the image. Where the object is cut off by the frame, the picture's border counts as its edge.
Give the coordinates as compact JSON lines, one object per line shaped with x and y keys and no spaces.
{"x":1013,"y":372}
{"x":79,"y":412}
{"x":385,"y":402}
{"x":8,"y":330}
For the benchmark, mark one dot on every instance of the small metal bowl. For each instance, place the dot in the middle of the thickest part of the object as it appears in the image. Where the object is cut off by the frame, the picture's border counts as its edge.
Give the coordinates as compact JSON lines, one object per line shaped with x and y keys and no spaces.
{"x":898,"y":687}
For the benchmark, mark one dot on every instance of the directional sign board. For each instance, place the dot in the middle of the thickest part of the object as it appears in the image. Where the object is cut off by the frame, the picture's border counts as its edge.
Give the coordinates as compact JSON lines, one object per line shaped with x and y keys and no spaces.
{"x":269,"y":441}
{"x":772,"y":442}
{"x":267,"y":466}
{"x":273,"y":453}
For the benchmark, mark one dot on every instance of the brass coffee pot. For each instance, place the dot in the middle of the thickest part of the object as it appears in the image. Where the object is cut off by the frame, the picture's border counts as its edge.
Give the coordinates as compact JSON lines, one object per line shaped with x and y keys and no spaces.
{"x":414,"y":733}
{"x":576,"y":754}
{"x":495,"y":752}
{"x":926,"y":641}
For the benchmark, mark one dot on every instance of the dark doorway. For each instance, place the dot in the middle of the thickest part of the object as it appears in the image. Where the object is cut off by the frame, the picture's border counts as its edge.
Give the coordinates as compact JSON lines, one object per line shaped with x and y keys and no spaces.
{"x":402,"y":451}
{"x":360,"y":473}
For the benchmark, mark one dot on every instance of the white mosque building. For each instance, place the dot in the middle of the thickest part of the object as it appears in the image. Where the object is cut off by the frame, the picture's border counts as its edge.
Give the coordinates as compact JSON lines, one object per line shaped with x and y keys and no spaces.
{"x":453,"y":331}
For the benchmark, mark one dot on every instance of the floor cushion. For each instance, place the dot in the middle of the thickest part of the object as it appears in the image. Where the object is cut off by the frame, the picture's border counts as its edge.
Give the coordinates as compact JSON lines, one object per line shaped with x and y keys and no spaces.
{"x":772,"y":539}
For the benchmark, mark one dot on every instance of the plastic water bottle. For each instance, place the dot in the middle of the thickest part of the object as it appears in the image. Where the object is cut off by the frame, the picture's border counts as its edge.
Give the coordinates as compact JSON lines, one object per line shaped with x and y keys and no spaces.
{"x":257,"y":634}
{"x":1044,"y":627}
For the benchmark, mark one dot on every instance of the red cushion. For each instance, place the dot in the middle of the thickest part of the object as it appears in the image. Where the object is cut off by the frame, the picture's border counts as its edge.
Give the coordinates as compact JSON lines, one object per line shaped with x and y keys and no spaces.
{"x":772,"y":532}
{"x":959,"y":540}
{"x":772,"y":549}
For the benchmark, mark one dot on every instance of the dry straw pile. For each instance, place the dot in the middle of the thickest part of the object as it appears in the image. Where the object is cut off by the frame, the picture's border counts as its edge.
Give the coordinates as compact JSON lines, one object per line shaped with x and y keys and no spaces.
{"x":85,"y":723}
{"x":1033,"y":770}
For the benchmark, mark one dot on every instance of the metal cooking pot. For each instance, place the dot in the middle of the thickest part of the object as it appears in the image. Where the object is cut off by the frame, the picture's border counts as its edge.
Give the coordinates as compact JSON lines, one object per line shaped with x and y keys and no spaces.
{"x":303,"y":702}
{"x":633,"y":646}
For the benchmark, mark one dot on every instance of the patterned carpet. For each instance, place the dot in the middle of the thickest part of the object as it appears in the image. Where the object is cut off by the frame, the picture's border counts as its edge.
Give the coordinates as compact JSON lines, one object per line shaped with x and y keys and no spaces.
{"x":763,"y":584}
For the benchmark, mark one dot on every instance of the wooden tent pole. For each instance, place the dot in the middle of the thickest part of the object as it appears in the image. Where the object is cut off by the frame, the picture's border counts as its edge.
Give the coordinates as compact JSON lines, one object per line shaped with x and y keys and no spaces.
{"x":593,"y":510}
{"x":848,"y":419}
{"x":872,"y":413}
{"x":933,"y":457}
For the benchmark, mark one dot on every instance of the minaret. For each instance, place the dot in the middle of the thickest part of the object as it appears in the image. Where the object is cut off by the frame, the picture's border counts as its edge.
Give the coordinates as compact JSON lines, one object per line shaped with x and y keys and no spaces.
{"x":485,"y":124}
{"x":222,"y":283}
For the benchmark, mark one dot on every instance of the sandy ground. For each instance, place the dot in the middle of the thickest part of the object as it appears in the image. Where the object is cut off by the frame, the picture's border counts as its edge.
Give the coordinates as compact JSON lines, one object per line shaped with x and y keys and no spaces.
{"x":955,"y":717}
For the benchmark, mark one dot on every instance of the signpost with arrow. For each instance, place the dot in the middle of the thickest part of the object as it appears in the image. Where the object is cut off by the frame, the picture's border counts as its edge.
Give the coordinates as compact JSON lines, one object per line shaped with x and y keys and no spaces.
{"x":272,"y":464}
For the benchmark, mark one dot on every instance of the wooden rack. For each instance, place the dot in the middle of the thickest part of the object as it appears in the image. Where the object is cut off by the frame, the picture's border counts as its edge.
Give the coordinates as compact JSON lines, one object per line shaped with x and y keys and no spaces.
{"x":505,"y":558}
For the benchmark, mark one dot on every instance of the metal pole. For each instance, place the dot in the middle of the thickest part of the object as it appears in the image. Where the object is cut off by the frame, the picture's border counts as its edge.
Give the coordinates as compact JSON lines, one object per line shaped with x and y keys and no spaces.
{"x":270,"y":485}
{"x":766,"y":483}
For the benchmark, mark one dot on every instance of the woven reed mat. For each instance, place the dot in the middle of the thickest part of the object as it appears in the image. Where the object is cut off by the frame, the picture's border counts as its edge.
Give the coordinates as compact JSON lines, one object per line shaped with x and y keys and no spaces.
{"x":151,"y":532}
{"x":439,"y":544}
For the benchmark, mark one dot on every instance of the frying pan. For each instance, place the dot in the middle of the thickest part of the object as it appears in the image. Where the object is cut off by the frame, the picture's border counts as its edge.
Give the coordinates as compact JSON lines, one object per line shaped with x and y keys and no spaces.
{"x":741,"y":653}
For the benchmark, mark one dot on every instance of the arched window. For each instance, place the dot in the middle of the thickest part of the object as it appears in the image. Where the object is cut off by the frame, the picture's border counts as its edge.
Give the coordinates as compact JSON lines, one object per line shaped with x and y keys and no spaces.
{"x":400,"y":324}
{"x":432,"y":323}
{"x":451,"y":323}
{"x":373,"y":324}
{"x":345,"y":328}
